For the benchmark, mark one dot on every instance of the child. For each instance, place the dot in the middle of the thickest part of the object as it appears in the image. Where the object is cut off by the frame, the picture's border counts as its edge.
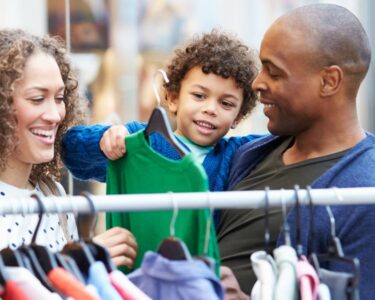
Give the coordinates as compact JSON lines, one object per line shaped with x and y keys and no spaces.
{"x":209,"y":92}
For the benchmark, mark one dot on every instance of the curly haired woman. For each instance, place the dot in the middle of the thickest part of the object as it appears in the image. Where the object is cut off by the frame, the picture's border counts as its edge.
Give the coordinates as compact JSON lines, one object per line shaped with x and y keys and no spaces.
{"x":38,"y":102}
{"x":209,"y":92}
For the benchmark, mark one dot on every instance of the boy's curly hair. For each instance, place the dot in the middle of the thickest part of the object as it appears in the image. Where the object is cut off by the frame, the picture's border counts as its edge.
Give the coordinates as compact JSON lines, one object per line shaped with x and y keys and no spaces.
{"x":219,"y":53}
{"x":16,"y":46}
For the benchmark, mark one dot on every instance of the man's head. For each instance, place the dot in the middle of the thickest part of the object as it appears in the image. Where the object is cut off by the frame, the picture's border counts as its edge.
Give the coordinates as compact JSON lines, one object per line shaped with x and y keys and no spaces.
{"x":314,"y":59}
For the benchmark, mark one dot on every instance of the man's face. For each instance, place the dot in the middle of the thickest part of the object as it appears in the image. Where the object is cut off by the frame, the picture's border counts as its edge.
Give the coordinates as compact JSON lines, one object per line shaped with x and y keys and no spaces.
{"x":287,"y":84}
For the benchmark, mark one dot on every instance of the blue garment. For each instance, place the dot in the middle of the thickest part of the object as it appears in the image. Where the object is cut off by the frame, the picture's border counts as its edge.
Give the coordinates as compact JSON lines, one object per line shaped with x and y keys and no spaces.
{"x":354,"y":223}
{"x":161,"y":278}
{"x":84,"y":159}
{"x":98,"y":277}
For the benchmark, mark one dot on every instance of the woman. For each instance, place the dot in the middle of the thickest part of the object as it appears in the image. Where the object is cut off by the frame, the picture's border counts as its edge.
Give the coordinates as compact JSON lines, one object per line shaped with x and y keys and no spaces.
{"x":38,"y":102}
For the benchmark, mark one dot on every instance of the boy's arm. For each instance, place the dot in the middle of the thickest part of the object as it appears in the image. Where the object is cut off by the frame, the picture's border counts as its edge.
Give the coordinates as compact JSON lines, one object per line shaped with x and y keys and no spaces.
{"x":81,"y":152}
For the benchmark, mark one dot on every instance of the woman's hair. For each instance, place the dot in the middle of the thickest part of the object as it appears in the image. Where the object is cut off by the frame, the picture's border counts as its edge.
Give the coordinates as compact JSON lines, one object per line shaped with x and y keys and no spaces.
{"x":16,"y":46}
{"x":219,"y":53}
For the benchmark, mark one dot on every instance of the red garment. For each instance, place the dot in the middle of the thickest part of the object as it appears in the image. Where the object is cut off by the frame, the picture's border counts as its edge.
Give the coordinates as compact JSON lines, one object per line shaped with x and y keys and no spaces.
{"x":68,"y":285}
{"x":13,"y":292}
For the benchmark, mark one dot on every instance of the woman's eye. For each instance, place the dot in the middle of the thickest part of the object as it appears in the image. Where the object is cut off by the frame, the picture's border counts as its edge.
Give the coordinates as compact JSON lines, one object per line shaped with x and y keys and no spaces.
{"x":60,"y":99}
{"x":37,"y":100}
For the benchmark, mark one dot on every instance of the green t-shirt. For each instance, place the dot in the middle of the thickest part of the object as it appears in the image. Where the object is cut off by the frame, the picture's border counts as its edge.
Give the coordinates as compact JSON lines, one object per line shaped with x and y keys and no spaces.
{"x":142,"y":171}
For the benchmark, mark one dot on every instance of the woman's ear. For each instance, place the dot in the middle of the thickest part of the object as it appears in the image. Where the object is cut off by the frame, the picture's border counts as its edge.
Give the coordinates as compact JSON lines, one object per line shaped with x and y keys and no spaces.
{"x":172,"y":103}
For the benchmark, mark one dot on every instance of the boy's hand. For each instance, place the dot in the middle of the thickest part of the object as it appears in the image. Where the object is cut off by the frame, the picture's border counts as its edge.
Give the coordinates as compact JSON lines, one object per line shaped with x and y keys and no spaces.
{"x":121,"y":245}
{"x":112,"y":142}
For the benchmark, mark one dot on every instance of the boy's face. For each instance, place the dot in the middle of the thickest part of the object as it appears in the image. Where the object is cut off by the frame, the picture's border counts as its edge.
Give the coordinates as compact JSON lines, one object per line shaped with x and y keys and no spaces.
{"x":206,"y":107}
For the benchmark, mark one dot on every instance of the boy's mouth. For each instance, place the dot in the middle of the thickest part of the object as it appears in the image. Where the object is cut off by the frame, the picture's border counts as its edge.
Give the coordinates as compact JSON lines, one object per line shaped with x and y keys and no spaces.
{"x":205,"y":124}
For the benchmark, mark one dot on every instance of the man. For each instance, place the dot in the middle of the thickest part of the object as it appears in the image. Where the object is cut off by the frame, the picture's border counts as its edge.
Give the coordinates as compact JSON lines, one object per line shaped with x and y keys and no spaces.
{"x":314,"y":59}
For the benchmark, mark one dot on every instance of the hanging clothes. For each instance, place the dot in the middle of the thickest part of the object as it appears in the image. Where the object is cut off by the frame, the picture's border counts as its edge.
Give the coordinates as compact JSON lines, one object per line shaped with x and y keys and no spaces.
{"x":161,"y":279}
{"x":126,"y":288}
{"x":286,"y":284}
{"x":30,"y":284}
{"x":99,"y":277}
{"x":308,"y":280}
{"x":142,"y":170}
{"x":69,"y":285}
{"x":338,"y":284}
{"x":265,"y":270}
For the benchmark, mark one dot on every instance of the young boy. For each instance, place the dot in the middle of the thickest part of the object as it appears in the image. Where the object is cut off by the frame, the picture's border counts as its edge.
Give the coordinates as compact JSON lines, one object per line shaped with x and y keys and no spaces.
{"x":209,"y":92}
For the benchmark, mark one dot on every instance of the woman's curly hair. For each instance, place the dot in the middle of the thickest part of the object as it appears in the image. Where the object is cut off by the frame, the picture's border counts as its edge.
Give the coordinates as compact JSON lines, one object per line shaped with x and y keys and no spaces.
{"x":219,"y":53}
{"x":16,"y":46}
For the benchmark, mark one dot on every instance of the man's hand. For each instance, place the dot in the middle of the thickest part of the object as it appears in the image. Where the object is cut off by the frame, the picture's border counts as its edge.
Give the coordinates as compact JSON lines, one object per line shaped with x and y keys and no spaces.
{"x":112,"y":142}
{"x":231,"y":286}
{"x":121,"y":245}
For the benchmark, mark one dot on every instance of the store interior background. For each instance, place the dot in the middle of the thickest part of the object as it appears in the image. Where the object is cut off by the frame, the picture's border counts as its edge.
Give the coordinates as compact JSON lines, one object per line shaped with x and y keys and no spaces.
{"x":117,"y":45}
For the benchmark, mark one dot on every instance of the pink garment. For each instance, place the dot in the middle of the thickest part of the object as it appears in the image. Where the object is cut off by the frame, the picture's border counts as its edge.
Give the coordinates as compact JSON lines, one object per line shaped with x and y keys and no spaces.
{"x":126,"y":289}
{"x":308,"y":280}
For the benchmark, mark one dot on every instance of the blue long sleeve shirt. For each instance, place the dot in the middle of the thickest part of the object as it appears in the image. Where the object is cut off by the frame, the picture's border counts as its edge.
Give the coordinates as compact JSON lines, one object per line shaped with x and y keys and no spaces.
{"x":84,"y":159}
{"x":355,"y":224}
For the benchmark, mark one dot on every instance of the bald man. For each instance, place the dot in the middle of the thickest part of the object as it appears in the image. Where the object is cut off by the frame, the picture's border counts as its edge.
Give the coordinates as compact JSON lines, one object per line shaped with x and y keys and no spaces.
{"x":314,"y":59}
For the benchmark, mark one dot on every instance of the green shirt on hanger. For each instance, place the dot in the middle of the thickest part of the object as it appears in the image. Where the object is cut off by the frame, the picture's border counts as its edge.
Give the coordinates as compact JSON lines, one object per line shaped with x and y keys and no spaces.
{"x":142,"y":171}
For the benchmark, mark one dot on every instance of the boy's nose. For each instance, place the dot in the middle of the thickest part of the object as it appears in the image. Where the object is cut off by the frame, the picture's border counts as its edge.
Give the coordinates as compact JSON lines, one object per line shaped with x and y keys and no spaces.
{"x":211,"y":107}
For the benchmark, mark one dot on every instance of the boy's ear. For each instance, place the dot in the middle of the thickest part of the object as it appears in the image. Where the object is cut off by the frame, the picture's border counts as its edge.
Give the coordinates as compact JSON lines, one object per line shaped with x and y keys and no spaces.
{"x":172,"y":103}
{"x":236,"y":121}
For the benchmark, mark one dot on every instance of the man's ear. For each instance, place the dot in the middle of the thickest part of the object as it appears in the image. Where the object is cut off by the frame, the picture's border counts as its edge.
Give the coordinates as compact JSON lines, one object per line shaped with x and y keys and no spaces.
{"x":331,"y":80}
{"x":172,"y":103}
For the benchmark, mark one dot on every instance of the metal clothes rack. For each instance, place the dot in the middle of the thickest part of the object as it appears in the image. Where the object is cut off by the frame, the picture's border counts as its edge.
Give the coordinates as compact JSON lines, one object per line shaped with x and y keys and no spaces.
{"x":160,"y":201}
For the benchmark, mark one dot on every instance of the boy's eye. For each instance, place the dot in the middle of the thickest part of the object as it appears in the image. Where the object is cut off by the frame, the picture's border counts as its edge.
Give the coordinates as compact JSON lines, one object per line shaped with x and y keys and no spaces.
{"x":198,"y":96}
{"x":227,"y":104}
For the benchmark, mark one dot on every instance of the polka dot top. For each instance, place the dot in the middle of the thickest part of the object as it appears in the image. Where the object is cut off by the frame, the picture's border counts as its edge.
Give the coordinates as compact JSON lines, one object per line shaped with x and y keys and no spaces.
{"x":18,"y":229}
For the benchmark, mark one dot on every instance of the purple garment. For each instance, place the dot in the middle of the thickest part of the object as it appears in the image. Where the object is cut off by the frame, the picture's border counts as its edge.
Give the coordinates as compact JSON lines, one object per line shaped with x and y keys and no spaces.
{"x":161,"y":278}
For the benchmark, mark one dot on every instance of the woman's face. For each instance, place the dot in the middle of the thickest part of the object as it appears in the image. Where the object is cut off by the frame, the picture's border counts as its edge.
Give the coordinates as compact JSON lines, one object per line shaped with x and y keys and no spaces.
{"x":39,"y":103}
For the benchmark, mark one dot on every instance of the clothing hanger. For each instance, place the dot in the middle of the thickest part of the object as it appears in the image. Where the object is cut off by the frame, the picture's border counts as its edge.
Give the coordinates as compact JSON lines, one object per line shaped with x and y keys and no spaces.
{"x":335,"y":252}
{"x":159,"y":123}
{"x":299,"y":248}
{"x":285,"y":226}
{"x":65,"y":261}
{"x":173,"y":248}
{"x":209,"y":261}
{"x":99,"y":252}
{"x":41,"y":258}
{"x":311,"y":241}
{"x":79,"y":250}
{"x":267,"y":235}
{"x":4,"y":277}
